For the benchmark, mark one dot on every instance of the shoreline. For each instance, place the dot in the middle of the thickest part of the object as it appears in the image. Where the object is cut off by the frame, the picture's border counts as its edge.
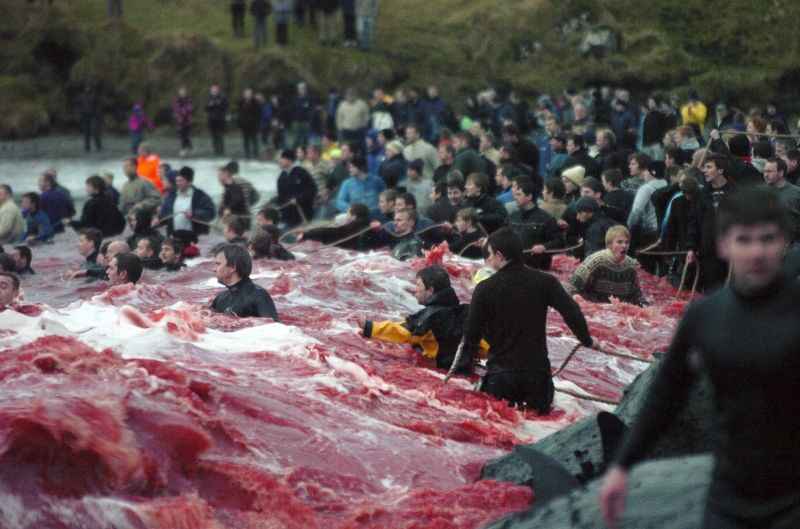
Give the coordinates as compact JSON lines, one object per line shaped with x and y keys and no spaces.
{"x":118,"y":146}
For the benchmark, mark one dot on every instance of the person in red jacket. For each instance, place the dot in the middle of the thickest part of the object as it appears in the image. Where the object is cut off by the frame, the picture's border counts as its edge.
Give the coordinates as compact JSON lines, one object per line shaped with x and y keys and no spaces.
{"x":147,"y":166}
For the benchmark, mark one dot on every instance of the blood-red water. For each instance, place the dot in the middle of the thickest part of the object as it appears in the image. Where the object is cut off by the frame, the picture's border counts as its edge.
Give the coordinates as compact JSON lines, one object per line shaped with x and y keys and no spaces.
{"x":158,"y":414}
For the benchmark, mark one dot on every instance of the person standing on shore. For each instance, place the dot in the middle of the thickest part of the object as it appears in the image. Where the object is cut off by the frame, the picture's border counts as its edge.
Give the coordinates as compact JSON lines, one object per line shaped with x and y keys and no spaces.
{"x":217,"y":111}
{"x":12,"y":225}
{"x":249,"y":121}
{"x":91,"y":119}
{"x":238,"y":8}
{"x":137,"y":122}
{"x":183,"y":111}
{"x":260,"y":9}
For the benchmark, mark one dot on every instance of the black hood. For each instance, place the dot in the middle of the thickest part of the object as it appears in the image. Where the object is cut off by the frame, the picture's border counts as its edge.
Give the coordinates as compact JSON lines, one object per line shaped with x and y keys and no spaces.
{"x":444,"y":298}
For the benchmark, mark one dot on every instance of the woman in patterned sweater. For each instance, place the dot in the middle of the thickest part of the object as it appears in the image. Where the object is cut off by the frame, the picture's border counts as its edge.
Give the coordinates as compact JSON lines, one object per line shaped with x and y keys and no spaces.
{"x":609,"y":272}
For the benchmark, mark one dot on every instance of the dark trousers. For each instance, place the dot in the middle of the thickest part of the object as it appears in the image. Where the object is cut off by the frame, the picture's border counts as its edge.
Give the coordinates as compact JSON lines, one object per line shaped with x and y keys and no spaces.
{"x":217,"y":138}
{"x":527,"y":389}
{"x":237,"y":20}
{"x":350,"y":26}
{"x":90,"y":126}
{"x":282,"y":33}
{"x":250,"y":143}
{"x":185,"y":135}
{"x":260,"y":32}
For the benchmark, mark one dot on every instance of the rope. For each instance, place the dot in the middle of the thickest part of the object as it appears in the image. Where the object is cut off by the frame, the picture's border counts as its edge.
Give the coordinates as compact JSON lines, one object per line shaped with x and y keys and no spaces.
{"x":456,"y":360}
{"x":664,"y":254}
{"x":584,"y":396}
{"x":761,"y":134}
{"x":556,"y":250}
{"x":650,"y":248}
{"x":567,"y":359}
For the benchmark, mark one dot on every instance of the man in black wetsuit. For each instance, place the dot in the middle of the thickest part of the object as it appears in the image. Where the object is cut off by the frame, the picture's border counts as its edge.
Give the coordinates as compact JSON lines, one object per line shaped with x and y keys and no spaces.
{"x":509,"y":310}
{"x":745,"y":337}
{"x":242,"y":298}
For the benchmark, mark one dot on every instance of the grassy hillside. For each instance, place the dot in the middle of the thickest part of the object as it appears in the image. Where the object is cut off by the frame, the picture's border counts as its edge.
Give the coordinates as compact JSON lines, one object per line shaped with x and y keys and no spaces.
{"x":732,"y":48}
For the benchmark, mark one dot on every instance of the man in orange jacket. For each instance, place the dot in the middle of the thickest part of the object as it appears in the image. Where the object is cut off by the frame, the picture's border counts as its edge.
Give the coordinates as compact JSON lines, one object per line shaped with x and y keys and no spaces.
{"x":147,"y":166}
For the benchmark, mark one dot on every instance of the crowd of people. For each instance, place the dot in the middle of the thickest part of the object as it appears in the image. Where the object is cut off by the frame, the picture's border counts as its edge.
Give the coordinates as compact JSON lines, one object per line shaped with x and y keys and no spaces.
{"x":357,"y":27}
{"x":662,"y":187}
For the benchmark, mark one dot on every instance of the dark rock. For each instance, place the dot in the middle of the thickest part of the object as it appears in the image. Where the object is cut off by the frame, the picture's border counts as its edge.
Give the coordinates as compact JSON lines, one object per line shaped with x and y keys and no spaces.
{"x":691,"y":431}
{"x":663,"y":494}
{"x":546,"y":476}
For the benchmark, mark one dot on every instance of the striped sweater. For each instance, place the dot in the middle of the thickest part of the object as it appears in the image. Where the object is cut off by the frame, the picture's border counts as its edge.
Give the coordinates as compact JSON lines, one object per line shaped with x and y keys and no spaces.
{"x":600,"y":276}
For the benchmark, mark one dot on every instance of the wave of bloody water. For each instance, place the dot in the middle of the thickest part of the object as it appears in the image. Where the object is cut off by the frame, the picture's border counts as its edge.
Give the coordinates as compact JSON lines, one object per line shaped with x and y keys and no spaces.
{"x":136,"y":407}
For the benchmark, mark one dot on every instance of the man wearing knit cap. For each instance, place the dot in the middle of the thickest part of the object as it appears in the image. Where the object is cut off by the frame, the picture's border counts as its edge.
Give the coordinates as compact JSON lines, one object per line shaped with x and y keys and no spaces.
{"x":593,"y":225}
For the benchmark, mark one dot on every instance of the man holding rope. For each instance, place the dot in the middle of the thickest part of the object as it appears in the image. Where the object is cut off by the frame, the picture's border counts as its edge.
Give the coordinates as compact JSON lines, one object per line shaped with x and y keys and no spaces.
{"x":509,"y":310}
{"x":745,"y":337}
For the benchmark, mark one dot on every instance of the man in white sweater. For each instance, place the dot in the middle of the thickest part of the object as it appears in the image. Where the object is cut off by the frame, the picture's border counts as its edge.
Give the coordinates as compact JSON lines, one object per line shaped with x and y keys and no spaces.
{"x":12,"y":225}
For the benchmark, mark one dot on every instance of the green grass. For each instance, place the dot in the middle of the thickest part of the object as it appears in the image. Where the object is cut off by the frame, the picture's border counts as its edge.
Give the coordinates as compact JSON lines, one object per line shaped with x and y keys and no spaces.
{"x":460,"y":45}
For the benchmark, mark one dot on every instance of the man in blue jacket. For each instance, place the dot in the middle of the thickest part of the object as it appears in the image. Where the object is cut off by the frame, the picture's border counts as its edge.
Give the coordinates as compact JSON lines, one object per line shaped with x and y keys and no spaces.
{"x":186,"y":207}
{"x":360,"y":188}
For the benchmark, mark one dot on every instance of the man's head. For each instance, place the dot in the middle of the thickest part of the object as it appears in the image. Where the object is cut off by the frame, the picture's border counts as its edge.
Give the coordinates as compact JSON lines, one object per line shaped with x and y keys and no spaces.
{"x":144,"y":149}
{"x":462,"y":140}
{"x":715,"y":170}
{"x":23,"y":257}
{"x":606,"y":139}
{"x":414,"y":171}
{"x":5,"y":193}
{"x":524,"y":192}
{"x":775,"y":172}
{"x":225,"y":175}
{"x":147,"y":247}
{"x":386,"y":201}
{"x":504,"y":246}
{"x":673,"y":156}
{"x":438,"y":191}
{"x":405,"y":221}
{"x":171,"y":251}
{"x":476,"y":184}
{"x":30,"y":202}
{"x":184,"y":179}
{"x":358,"y":212}
{"x":260,"y":245}
{"x":752,"y":233}
{"x":412,"y":133}
{"x":430,"y":280}
{"x":47,"y":180}
{"x":235,"y":227}
{"x":286,"y":159}
{"x":503,"y":175}
{"x":455,"y":188}
{"x":612,"y":179}
{"x":575,"y":143}
{"x":89,"y":241}
{"x":358,"y":167}
{"x":9,"y":288}
{"x":129,"y":168}
{"x":405,"y":201}
{"x":618,"y":239}
{"x":214,"y":90}
{"x":573,"y":178}
{"x":268,"y":216}
{"x":592,"y":188}
{"x":792,"y":159}
{"x":116,"y":248}
{"x":233,"y":264}
{"x":554,"y":189}
{"x":124,"y":268}
{"x":466,"y":219}
{"x":586,"y":208}
{"x":446,"y":154}
{"x":639,"y":164}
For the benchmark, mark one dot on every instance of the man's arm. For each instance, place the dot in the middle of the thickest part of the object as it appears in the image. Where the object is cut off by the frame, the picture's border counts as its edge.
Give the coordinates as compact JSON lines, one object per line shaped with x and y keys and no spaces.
{"x":203,"y":209}
{"x":473,"y":329}
{"x":665,"y":397}
{"x":569,"y":310}
{"x":265,"y":307}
